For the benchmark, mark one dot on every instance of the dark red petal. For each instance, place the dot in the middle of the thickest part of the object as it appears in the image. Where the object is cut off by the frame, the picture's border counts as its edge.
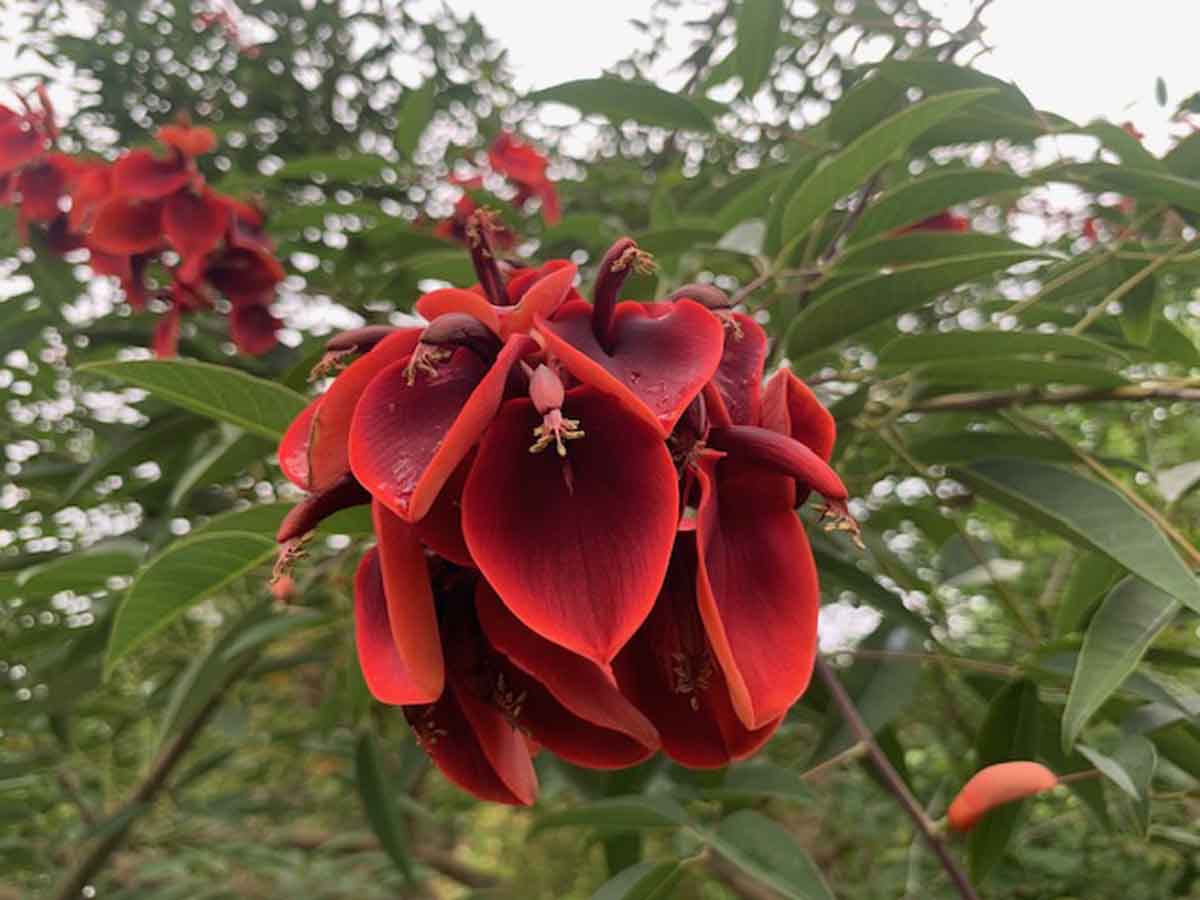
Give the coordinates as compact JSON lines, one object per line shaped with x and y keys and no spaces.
{"x":456,"y":300}
{"x":253,"y":328}
{"x":294,"y":448}
{"x":407,"y":439}
{"x":243,"y":275}
{"x":757,"y":586}
{"x":194,"y":223}
{"x":42,"y":187}
{"x":140,"y":175}
{"x":410,"y":606}
{"x":475,"y":747}
{"x":130,"y":270}
{"x":551,"y":209}
{"x":20,"y":144}
{"x":166,"y":335}
{"x":739,"y":376}
{"x":441,"y":529}
{"x":125,"y":226}
{"x":576,"y":546}
{"x":790,"y":407}
{"x":387,"y":676}
{"x":659,"y":363}
{"x":581,"y":687}
{"x":669,"y":672}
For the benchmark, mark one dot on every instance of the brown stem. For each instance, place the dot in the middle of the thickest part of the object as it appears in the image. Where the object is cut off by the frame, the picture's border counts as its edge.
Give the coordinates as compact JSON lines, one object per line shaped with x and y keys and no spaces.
{"x":985,"y":400}
{"x":895,"y":784}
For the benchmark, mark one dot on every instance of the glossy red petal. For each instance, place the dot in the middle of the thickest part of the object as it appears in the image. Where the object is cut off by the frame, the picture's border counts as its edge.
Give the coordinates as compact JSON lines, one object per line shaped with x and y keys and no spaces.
{"x":541,"y":298}
{"x":188,"y":140}
{"x":166,"y":335}
{"x":579,"y":685}
{"x":756,"y":586}
{"x":790,"y":407}
{"x":457,"y":300}
{"x":410,"y":605}
{"x":194,"y":223}
{"x":388,"y":677}
{"x":91,"y":187}
{"x":738,"y":378}
{"x":668,"y":670}
{"x":125,"y":226}
{"x":43,"y":186}
{"x":577,"y":546}
{"x":20,"y":144}
{"x":441,"y":528}
{"x":253,"y":328}
{"x":407,"y":439}
{"x":659,"y":363}
{"x":140,"y":175}
{"x":294,"y":448}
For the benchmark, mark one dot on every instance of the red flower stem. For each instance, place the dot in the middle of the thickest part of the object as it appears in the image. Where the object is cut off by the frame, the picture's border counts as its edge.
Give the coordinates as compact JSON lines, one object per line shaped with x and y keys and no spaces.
{"x":895,"y":785}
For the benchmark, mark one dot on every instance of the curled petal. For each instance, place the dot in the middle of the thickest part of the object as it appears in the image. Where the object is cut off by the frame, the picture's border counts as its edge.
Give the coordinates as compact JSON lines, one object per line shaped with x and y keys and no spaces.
{"x":658,"y":365}
{"x":140,"y":175}
{"x":738,"y":378}
{"x":790,"y":407}
{"x":412,"y":428}
{"x":756,"y":586}
{"x":575,"y":546}
{"x":125,"y":226}
{"x":668,"y":670}
{"x":314,"y":509}
{"x":456,"y":300}
{"x":194,"y":223}
{"x":386,"y":673}
{"x":779,"y":453}
{"x":294,"y":448}
{"x":997,"y":785}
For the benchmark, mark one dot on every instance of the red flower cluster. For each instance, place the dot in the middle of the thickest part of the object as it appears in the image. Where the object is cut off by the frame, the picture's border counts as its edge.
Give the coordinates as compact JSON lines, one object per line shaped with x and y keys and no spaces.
{"x":129,"y":213}
{"x":585,"y":512}
{"x":526,"y":169}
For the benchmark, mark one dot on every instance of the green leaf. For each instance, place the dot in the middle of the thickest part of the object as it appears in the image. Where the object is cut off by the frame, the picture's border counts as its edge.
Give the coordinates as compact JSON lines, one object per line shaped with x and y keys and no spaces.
{"x":866,"y":104}
{"x":916,"y":200}
{"x":352,"y":167}
{"x":414,"y":118}
{"x":999,"y":372}
{"x":1010,"y":732}
{"x":758,"y":27}
{"x":182,"y":575}
{"x":673,"y":241}
{"x":79,"y":572}
{"x":144,"y":444}
{"x":850,"y":308}
{"x":892,"y":251}
{"x":1092,"y":577}
{"x":1087,"y":513}
{"x":375,"y":793}
{"x":1122,"y":629}
{"x":643,"y":881}
{"x":228,"y":457}
{"x":848,"y":169}
{"x":766,"y":852}
{"x":968,"y":446}
{"x":255,"y":405}
{"x":758,"y":780}
{"x":629,"y":812}
{"x":1144,"y":185}
{"x":1138,"y":758}
{"x":915,"y":349}
{"x":618,"y":100}
{"x":1110,"y":769}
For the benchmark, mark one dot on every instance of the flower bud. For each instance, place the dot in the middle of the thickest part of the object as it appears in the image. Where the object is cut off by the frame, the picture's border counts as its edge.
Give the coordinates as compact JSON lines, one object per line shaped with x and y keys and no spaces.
{"x":995,"y":786}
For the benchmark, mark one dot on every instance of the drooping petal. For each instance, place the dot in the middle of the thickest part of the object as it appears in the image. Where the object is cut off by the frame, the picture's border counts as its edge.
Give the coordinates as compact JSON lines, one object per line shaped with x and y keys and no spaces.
{"x":575,"y":546}
{"x":441,"y":528}
{"x":194,"y":223}
{"x":994,"y":786}
{"x":411,"y":429}
{"x":253,"y":328}
{"x":619,"y":735}
{"x":244,"y":275}
{"x":140,"y":175}
{"x":790,"y":407}
{"x":295,"y":445}
{"x":125,"y":226}
{"x":20,"y":144}
{"x":658,"y":364}
{"x":738,"y":378}
{"x":129,"y":270}
{"x":756,"y":586}
{"x":91,"y":187}
{"x":410,"y":606}
{"x":166,"y":335}
{"x":387,"y":676}
{"x":669,"y":672}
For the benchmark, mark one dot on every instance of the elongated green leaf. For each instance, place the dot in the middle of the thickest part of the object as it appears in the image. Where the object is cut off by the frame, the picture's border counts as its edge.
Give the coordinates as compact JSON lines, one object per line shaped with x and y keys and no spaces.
{"x":1125,"y":625}
{"x":671,"y":241}
{"x":1088,"y":513}
{"x":255,"y":405}
{"x":1050,"y":751}
{"x":414,"y":118}
{"x":1010,"y":732}
{"x":352,"y":167}
{"x":1110,"y":768}
{"x":754,"y":780}
{"x":375,"y":793}
{"x":850,"y":308}
{"x":231,"y":455}
{"x":768,"y":853}
{"x":79,"y":572}
{"x":184,"y":574}
{"x":967,"y":446}
{"x":618,"y":100}
{"x":937,"y":78}
{"x":866,"y":104}
{"x":849,"y":169}
{"x":998,"y":372}
{"x":893,"y":251}
{"x":917,"y":200}
{"x":643,"y":881}
{"x":1092,"y":577}
{"x":147,"y":443}
{"x":915,"y":349}
{"x":618,"y":813}
{"x":758,"y":27}
{"x":1142,"y":184}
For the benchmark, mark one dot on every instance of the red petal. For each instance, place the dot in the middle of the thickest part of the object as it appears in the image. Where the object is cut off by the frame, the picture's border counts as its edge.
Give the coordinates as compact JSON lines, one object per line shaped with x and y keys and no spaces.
{"x":668,"y":670}
{"x":407,"y":439}
{"x":576,"y":547}
{"x":166,"y":335}
{"x":188,"y":140}
{"x":739,"y":376}
{"x":140,"y":175}
{"x":92,"y":187}
{"x":410,"y":604}
{"x":124,"y":227}
{"x":790,"y":407}
{"x":42,"y":187}
{"x":253,"y":328}
{"x":659,"y":363}
{"x":757,"y":586}
{"x":194,"y":223}
{"x":243,"y":275}
{"x":541,"y":298}
{"x":293,"y":449}
{"x":456,"y":300}
{"x":388,"y":677}
{"x":619,"y":734}
{"x":475,"y":747}
{"x":20,"y":144}
{"x":441,"y":529}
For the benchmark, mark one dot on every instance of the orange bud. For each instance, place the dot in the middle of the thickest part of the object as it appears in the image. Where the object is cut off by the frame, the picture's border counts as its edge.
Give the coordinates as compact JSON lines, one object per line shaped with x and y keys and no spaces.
{"x":995,"y":786}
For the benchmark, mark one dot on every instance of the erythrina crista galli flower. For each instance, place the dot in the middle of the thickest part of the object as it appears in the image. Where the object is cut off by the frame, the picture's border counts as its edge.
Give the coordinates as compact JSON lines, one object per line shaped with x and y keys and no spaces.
{"x":612,"y":487}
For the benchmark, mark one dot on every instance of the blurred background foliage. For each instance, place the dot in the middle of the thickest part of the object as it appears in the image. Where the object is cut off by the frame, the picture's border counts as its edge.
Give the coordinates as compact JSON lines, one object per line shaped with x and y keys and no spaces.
{"x":1015,"y":400}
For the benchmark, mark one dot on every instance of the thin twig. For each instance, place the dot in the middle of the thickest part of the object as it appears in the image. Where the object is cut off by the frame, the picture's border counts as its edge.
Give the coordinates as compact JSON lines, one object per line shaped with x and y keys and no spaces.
{"x":1122,"y":289}
{"x":986,"y":400}
{"x":895,"y":784}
